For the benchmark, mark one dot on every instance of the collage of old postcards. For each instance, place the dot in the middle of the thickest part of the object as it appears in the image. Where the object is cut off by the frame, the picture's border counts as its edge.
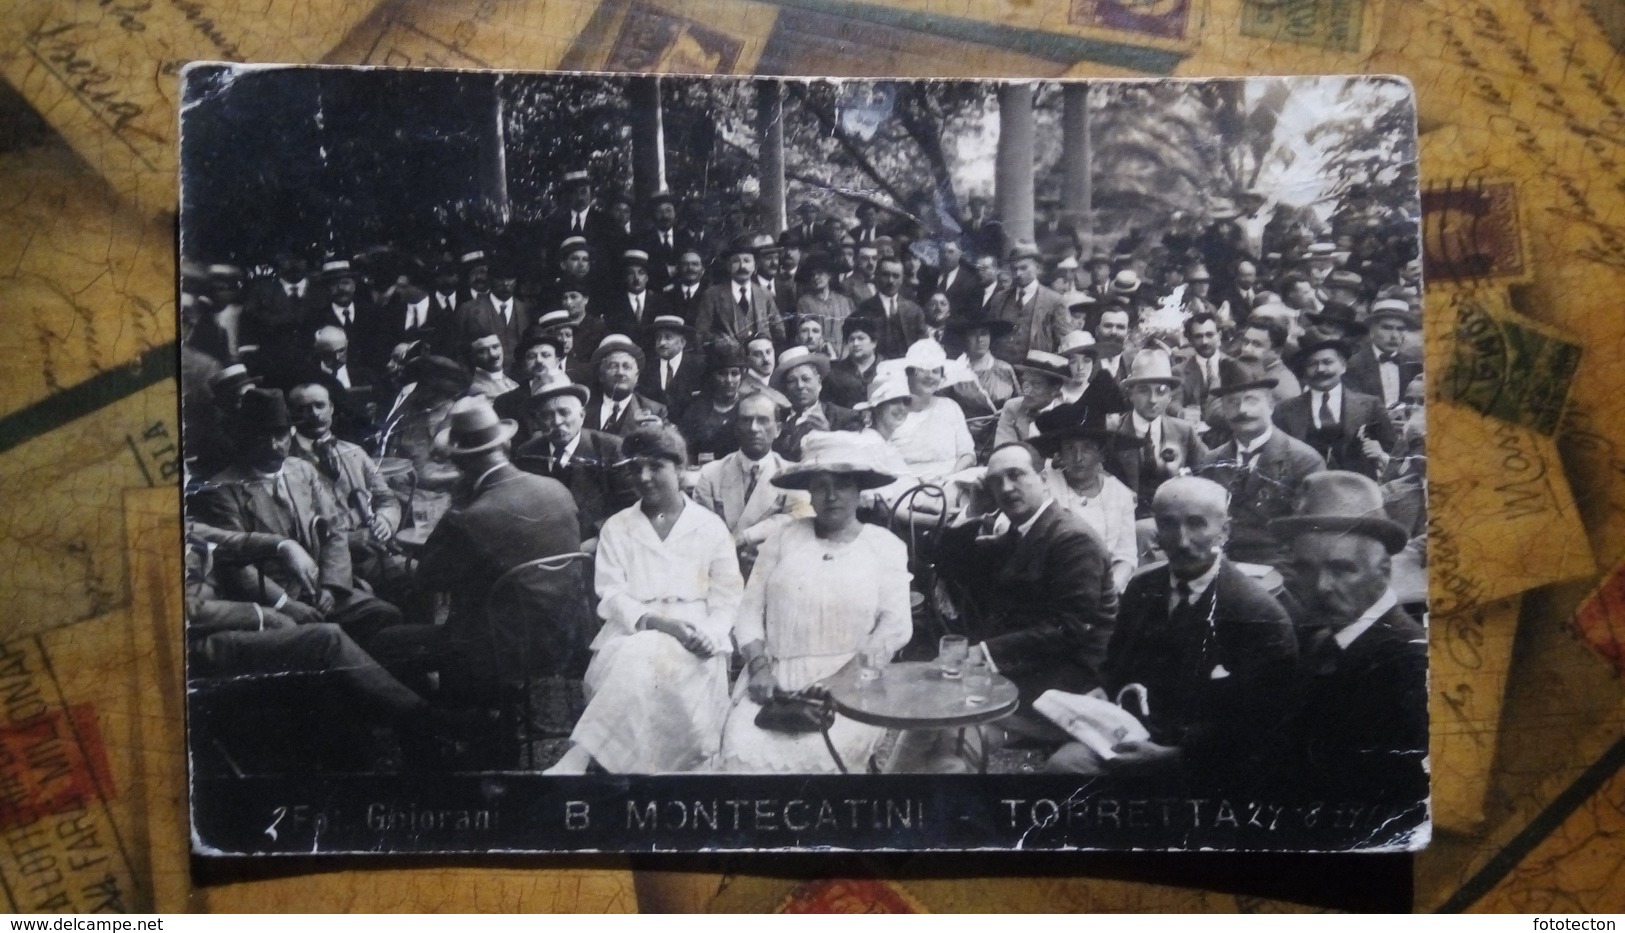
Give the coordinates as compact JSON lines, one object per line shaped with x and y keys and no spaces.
{"x":609,"y":462}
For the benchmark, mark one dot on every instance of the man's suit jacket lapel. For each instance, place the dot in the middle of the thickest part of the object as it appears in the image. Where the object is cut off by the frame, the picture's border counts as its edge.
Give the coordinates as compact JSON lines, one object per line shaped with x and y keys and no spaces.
{"x":1023,"y":562}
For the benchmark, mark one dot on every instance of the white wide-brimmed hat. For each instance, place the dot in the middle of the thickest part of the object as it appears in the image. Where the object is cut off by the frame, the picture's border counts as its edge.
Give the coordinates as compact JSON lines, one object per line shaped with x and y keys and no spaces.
{"x":845,"y":453}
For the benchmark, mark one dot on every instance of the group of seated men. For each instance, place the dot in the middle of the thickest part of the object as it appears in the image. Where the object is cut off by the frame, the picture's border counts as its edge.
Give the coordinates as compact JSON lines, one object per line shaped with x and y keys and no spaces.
{"x":1273,"y":423}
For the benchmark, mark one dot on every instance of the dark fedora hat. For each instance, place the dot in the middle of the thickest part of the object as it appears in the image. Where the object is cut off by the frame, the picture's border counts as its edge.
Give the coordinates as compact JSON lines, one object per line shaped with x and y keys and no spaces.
{"x":1236,"y":376}
{"x":1043,"y":363}
{"x":1341,"y":315}
{"x":1065,"y":422}
{"x":440,"y":372}
{"x":978,"y":319}
{"x":1341,"y":502}
{"x":726,"y":355}
{"x":1309,"y":347}
{"x":263,"y":410}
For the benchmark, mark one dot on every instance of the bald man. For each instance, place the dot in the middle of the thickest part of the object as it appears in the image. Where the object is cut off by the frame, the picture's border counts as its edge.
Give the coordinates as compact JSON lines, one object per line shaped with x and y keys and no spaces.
{"x":1213,"y":651}
{"x":349,"y":386}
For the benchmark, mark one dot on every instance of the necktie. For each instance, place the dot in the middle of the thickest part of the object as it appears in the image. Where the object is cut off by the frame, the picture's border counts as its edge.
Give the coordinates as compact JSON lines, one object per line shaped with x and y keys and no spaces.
{"x":1327,"y":419}
{"x":575,"y":222}
{"x":1183,"y":602}
{"x":744,"y":303}
{"x":558,"y":457}
{"x":665,"y":374}
{"x":637,"y":307}
{"x":507,"y":312}
{"x":344,"y":316}
{"x":327,"y":457}
{"x":1384,"y":359}
{"x":1322,"y":651}
{"x":613,"y":425}
{"x":665,"y":239}
{"x":1148,"y":452}
{"x":688,"y":293}
{"x":750,"y":485}
{"x":1248,"y":457}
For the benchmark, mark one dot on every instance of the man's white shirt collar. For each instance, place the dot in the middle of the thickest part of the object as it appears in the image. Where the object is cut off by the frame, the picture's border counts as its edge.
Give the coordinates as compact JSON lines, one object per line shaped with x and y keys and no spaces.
{"x":1026,"y":526}
{"x":1334,"y":398}
{"x":1198,"y":586}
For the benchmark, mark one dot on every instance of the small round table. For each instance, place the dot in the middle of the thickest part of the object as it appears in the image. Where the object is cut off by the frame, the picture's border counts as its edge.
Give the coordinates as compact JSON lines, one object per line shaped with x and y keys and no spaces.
{"x":915,"y":695}
{"x":411,"y":539}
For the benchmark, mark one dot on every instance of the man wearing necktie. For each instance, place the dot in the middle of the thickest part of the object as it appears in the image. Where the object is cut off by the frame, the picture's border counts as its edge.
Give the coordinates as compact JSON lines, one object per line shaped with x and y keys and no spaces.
{"x":497,"y":312}
{"x":663,"y":241}
{"x":1212,"y":650}
{"x":677,"y":371}
{"x":266,"y":490}
{"x":630,"y":311}
{"x":1350,"y":429}
{"x":902,"y":322}
{"x":1199,"y":373}
{"x":737,"y":486}
{"x":1387,"y":365}
{"x":739,"y":309}
{"x":687,"y":289}
{"x":1261,"y":466}
{"x":616,"y":407}
{"x":1360,"y":726}
{"x":584,"y":460}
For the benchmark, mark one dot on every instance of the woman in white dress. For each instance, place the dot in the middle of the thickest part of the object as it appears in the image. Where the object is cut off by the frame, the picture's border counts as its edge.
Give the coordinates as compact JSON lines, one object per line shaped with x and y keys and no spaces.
{"x":1077,"y":441}
{"x":823,"y":590}
{"x":668,"y":587}
{"x":933,"y":438}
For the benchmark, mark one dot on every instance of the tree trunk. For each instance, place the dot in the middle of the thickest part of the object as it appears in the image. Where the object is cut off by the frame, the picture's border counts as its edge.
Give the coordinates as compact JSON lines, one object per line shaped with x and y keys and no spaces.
{"x":1077,"y":196}
{"x":494,"y":158}
{"x":770,"y":140}
{"x":648,"y":138}
{"x":1013,"y":175}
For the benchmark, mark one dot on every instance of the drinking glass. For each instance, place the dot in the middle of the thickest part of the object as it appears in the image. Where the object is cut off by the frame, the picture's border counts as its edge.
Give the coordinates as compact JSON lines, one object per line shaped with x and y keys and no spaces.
{"x":952,"y":651}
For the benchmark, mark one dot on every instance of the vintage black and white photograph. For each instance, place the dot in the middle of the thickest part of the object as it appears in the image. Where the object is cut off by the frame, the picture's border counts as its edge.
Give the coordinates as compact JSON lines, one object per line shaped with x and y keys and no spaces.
{"x":627,"y":463}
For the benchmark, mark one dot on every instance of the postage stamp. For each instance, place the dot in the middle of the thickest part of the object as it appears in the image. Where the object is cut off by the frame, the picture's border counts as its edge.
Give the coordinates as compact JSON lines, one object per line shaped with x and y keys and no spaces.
{"x":1333,"y":25}
{"x":1509,"y":366}
{"x":1472,"y":230}
{"x":1164,"y":18}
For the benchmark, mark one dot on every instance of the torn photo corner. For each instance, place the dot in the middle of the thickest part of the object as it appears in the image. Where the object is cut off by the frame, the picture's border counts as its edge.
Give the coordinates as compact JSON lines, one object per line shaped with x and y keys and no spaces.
{"x":607,"y":462}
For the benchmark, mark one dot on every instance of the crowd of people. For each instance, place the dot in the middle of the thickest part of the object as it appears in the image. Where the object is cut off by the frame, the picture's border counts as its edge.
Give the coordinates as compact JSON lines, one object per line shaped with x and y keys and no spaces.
{"x":1189,"y":467}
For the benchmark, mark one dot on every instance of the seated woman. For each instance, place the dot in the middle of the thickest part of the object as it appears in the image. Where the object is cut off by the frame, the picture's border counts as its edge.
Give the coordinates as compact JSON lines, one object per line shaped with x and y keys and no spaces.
{"x":823,"y":590}
{"x":668,"y":586}
{"x":1077,"y":441}
{"x":933,"y":438}
{"x":993,"y":381}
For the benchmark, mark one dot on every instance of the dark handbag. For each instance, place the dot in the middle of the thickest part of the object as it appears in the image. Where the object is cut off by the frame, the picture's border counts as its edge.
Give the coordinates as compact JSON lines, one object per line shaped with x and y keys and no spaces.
{"x":795,"y":713}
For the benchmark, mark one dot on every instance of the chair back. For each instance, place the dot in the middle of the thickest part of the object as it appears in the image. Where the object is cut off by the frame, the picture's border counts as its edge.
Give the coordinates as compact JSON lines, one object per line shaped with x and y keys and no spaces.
{"x":535,"y":614}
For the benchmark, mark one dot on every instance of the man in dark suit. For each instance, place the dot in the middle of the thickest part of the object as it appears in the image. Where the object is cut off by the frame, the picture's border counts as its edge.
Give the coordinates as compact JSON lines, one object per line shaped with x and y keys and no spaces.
{"x":579,"y":217}
{"x":629,"y":310}
{"x":1241,"y":294}
{"x":1040,"y":317}
{"x":1199,"y":372}
{"x":1352,"y":431}
{"x":585,"y":461}
{"x":1385,"y":366}
{"x":739,"y":309}
{"x":677,"y":371}
{"x":1361,"y":730}
{"x":346,"y":309}
{"x":663,"y":241}
{"x":1037,"y":599}
{"x":867,"y":229}
{"x":411,"y":315}
{"x":615,"y":406}
{"x":900,"y":321}
{"x":276,"y":313}
{"x":807,"y":229}
{"x":497,"y":312}
{"x":781,"y":289}
{"x":800,"y":376}
{"x":503,"y":518}
{"x":1260,"y":465}
{"x":687,"y":289}
{"x":541,"y":356}
{"x":1213,"y":651}
{"x":956,"y":279}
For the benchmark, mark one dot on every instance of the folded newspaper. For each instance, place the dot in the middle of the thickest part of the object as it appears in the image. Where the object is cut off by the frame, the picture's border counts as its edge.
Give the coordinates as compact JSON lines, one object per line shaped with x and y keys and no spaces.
{"x":1096,"y":722}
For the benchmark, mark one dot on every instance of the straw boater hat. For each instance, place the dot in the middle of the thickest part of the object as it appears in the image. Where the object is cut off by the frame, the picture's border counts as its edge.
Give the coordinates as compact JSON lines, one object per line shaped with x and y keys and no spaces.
{"x":1343,"y":278}
{"x":671,"y":322}
{"x":635,"y":257}
{"x":843,"y":453}
{"x":560,"y":386}
{"x":763,"y":243}
{"x":883,"y":391}
{"x":1341,"y":502}
{"x":474,"y":427}
{"x":334,"y":269}
{"x":472,"y":258}
{"x":1067,"y":264}
{"x":1151,"y":367}
{"x":1126,"y":282}
{"x":794,"y":357}
{"x":1079,"y":342}
{"x":662,"y":196}
{"x":618,"y":343}
{"x":1198,"y":273}
{"x":1396,"y":308}
{"x":1044,"y":363}
{"x":1080,"y":302}
{"x":577,"y":177}
{"x":1025,"y":251}
{"x":561,"y":317}
{"x":573,"y":244}
{"x":231,"y":381}
{"x":1236,"y":376}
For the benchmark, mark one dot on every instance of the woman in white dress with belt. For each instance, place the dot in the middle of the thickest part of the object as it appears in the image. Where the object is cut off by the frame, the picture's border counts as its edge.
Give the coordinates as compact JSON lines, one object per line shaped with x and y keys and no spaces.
{"x":668,"y":587}
{"x":823,"y":590}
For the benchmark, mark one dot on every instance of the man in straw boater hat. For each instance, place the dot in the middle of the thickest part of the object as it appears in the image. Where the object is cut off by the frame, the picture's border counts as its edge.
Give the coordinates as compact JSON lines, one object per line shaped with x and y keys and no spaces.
{"x":1261,"y":466}
{"x":1152,"y":445}
{"x":1213,"y":654}
{"x":799,"y":376}
{"x":499,"y":311}
{"x":503,"y":517}
{"x":565,"y":325}
{"x":677,"y":372}
{"x":629,"y":309}
{"x":1041,"y":376}
{"x":541,"y":361}
{"x":1349,"y":429}
{"x":615,"y":406}
{"x":1361,"y":731}
{"x":1386,"y":365}
{"x":739,"y":309}
{"x":582,"y":459}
